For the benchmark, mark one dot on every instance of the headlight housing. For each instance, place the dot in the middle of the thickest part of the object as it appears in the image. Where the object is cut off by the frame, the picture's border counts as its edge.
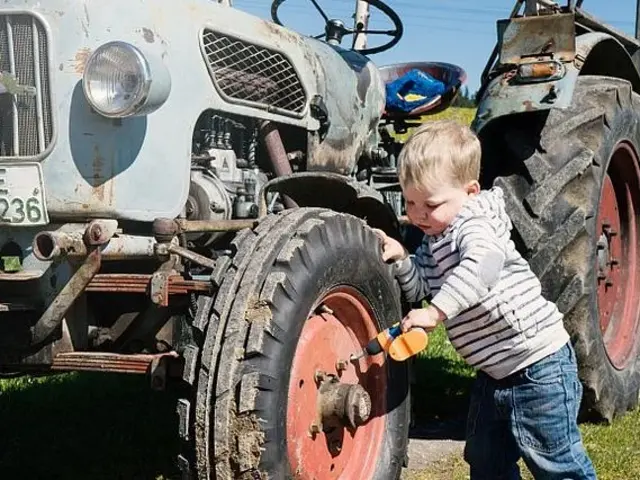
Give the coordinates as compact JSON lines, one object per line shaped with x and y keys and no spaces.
{"x":120,"y":81}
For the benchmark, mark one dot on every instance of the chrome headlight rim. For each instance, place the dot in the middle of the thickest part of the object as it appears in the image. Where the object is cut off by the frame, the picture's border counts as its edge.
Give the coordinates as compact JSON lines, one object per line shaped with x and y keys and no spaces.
{"x":144,"y":70}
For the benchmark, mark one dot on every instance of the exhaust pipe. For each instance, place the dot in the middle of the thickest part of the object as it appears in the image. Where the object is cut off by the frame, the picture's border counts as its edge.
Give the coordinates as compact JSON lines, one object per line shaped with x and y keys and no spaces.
{"x":48,"y":246}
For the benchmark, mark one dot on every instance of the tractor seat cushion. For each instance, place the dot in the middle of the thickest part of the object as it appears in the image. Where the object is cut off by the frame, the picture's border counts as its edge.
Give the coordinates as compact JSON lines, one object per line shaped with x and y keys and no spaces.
{"x":412,"y":90}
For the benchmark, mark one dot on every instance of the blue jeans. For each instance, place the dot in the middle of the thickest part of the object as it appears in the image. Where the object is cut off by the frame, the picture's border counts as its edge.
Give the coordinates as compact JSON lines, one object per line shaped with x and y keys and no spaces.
{"x":531,"y":414}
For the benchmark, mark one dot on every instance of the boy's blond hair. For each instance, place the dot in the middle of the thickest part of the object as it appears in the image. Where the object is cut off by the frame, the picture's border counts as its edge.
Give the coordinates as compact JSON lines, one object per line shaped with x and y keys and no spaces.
{"x":440,"y":152}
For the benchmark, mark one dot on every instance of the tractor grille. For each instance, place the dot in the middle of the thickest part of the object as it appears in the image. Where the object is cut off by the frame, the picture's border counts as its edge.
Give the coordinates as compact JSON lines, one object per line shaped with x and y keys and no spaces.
{"x":253,"y":75}
{"x":26,"y":125}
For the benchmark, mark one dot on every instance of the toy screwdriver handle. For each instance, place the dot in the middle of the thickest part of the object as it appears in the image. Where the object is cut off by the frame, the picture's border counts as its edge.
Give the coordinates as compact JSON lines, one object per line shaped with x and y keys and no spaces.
{"x":408,"y":344}
{"x":398,"y":345}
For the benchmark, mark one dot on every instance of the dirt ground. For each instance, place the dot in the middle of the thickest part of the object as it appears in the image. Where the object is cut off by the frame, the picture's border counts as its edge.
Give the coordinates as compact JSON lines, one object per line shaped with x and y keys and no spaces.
{"x":434,"y":442}
{"x":423,"y":453}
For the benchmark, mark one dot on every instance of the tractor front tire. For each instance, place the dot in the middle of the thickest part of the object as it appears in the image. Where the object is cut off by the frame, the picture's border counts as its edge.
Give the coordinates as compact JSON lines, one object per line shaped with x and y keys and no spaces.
{"x":304,"y":290}
{"x":572,"y":186}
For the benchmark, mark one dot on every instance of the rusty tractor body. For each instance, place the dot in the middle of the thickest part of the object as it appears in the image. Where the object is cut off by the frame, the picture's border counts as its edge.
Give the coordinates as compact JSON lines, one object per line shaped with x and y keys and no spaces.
{"x":558,"y":118}
{"x":182,"y":193}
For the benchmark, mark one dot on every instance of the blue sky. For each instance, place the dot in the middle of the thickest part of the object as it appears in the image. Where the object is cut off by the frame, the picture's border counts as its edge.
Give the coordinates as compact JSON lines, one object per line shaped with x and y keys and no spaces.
{"x":455,"y":31}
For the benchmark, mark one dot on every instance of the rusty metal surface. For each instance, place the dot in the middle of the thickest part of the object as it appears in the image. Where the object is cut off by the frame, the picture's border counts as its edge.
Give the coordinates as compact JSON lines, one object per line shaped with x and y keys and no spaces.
{"x":277,"y":155}
{"x":49,"y":245}
{"x":192,"y":256}
{"x":55,"y":312}
{"x":193,"y":226}
{"x":504,"y":97}
{"x":347,"y":402}
{"x":537,"y":35}
{"x":100,"y":231}
{"x":106,"y":362}
{"x":140,"y":283}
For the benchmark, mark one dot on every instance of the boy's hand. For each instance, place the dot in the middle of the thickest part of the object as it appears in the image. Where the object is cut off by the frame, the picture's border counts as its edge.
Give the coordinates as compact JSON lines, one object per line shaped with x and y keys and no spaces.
{"x":425,"y":318}
{"x":391,"y":248}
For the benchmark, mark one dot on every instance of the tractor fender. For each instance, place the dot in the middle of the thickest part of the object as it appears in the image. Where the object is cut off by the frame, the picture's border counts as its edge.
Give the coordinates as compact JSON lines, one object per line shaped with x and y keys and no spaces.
{"x":337,"y":192}
{"x":596,"y":54}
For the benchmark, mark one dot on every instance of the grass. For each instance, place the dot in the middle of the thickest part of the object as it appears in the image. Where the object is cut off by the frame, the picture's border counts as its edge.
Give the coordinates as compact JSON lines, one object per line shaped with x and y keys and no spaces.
{"x":442,"y":392}
{"x":440,"y":374}
{"x":86,"y":426}
{"x":462,"y":115}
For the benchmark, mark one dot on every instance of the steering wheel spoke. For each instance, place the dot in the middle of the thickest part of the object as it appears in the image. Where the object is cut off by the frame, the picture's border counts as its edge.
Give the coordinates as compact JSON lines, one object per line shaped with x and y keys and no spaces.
{"x":319,"y":8}
{"x":336,"y":29}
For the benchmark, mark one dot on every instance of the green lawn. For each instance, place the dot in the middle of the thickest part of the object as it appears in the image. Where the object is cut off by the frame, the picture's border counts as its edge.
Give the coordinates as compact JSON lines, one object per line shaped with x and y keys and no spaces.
{"x":86,"y":426}
{"x":442,"y":387}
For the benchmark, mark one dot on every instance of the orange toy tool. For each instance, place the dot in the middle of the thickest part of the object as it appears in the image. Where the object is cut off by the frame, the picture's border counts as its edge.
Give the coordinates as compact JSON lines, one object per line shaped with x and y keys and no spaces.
{"x":398,"y":345}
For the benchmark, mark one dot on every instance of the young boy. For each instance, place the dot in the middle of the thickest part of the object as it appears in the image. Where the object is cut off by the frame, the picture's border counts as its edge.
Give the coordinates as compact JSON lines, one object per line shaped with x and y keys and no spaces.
{"x":525,"y":399}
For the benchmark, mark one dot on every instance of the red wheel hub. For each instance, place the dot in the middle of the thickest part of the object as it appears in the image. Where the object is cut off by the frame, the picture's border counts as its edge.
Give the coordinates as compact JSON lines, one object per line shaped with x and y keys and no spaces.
{"x":617,"y":249}
{"x":323,"y":447}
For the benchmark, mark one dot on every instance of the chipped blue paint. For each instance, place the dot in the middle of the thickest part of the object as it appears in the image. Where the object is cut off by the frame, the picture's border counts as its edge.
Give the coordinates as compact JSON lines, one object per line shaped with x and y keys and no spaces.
{"x":504,"y":98}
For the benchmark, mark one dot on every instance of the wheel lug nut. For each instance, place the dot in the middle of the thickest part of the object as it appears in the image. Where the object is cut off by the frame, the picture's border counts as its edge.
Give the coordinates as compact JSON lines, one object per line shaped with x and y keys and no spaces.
{"x":608,"y":283}
{"x":324,"y":309}
{"x":319,"y":376}
{"x":613,"y":262}
{"x":341,"y":366}
{"x":601,"y":276}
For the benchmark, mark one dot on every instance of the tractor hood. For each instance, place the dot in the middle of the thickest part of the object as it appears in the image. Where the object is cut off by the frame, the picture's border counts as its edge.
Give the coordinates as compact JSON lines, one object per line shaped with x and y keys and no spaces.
{"x":138,"y":167}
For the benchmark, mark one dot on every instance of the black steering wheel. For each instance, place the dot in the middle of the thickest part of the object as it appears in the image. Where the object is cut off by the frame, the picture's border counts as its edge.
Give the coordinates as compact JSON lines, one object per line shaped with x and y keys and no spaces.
{"x":335,"y":29}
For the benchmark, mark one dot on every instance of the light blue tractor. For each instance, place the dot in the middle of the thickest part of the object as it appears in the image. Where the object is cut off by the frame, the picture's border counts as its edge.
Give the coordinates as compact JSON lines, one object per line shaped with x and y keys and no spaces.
{"x":186,"y":192}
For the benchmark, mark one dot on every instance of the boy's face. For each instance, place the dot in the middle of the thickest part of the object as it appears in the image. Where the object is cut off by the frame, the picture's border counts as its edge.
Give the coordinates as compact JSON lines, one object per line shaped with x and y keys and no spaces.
{"x":433,"y":209}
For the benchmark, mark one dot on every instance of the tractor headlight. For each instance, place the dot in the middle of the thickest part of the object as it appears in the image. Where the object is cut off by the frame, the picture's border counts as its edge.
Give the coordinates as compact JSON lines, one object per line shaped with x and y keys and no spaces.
{"x":120,"y":81}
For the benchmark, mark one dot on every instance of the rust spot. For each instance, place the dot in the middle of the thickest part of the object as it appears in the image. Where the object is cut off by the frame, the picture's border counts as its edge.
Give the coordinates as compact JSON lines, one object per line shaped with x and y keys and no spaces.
{"x":80,"y":60}
{"x":140,"y":283}
{"x":148,"y":35}
{"x":549,"y":46}
{"x":61,"y":67}
{"x":528,"y":106}
{"x":100,"y":179}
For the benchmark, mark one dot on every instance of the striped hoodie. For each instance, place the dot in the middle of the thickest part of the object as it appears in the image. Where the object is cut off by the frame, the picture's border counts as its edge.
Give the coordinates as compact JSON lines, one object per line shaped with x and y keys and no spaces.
{"x":497,"y":319}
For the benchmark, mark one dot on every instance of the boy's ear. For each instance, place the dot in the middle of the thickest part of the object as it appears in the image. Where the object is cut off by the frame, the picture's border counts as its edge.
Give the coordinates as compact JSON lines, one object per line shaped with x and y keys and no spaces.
{"x":473,"y":187}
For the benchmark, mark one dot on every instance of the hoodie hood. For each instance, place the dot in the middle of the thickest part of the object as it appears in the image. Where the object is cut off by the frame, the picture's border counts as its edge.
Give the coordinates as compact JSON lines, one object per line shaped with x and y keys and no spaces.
{"x":490,"y":204}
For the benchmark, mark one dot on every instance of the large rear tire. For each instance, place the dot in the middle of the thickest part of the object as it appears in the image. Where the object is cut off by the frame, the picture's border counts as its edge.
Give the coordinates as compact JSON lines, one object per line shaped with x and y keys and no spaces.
{"x":306,"y":288}
{"x":572,"y":186}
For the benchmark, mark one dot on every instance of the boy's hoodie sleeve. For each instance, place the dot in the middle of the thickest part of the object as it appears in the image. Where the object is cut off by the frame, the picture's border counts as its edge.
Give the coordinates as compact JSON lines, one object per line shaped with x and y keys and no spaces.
{"x":482,"y":258}
{"x":414,"y":287}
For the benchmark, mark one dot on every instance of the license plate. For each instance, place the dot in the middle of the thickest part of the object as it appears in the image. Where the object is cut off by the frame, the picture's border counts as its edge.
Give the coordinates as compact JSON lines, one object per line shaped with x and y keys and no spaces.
{"x":22,"y":195}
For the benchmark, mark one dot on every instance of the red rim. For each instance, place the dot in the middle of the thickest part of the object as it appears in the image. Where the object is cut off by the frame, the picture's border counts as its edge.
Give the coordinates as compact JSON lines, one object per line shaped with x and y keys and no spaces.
{"x":343,"y":325}
{"x":616,"y":261}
